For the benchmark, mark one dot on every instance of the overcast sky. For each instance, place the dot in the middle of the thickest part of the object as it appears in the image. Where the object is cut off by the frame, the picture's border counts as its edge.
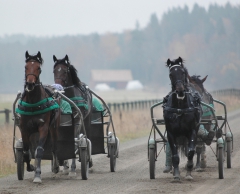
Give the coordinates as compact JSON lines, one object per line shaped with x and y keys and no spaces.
{"x":72,"y":17}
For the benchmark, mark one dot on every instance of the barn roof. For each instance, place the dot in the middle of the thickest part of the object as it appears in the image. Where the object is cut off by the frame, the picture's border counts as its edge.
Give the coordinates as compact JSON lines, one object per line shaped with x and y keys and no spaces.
{"x":123,"y":75}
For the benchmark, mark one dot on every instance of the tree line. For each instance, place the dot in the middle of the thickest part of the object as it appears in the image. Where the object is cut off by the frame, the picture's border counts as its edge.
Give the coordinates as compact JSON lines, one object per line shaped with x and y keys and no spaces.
{"x":208,"y":41}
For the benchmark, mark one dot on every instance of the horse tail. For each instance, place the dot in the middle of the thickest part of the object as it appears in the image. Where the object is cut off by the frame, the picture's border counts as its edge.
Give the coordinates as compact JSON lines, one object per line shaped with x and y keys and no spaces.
{"x":182,"y":146}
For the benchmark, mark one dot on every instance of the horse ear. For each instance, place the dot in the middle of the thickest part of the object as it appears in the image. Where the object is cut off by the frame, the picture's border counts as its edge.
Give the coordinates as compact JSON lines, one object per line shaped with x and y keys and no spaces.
{"x":39,"y":54}
{"x":204,"y":79}
{"x":54,"y":58}
{"x":26,"y":54}
{"x":66,"y":57}
{"x":180,"y":60}
{"x":168,"y":62}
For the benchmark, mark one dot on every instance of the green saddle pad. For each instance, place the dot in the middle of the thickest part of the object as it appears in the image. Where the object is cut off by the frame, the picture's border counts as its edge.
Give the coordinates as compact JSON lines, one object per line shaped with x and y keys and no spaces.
{"x":65,"y":107}
{"x":97,"y":104}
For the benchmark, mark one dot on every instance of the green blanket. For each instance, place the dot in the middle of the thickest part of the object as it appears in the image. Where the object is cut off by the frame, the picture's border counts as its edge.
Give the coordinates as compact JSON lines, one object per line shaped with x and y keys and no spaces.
{"x":97,"y":104}
{"x":65,"y":107}
{"x":206,"y":110}
{"x":24,"y":107}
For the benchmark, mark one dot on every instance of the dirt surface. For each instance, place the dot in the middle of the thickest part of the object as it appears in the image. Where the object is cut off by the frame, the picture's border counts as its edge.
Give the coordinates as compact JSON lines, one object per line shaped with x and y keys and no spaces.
{"x":132,"y":174}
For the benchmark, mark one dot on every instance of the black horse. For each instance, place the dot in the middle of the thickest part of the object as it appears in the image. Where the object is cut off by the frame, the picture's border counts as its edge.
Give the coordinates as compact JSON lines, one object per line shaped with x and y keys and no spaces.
{"x":205,"y":133}
{"x":39,"y":113}
{"x":182,"y":113}
{"x":65,"y":74}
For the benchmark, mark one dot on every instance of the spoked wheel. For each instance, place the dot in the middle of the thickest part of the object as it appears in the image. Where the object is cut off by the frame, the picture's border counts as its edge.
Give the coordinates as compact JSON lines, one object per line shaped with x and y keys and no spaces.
{"x":220,"y":162}
{"x":229,"y":153}
{"x":112,"y":158}
{"x":84,"y":164}
{"x":20,"y":164}
{"x":152,"y":163}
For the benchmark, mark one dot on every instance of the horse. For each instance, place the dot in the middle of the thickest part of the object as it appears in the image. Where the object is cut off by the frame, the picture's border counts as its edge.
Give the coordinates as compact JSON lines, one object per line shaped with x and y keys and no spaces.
{"x":205,"y":133}
{"x":65,"y":74}
{"x":39,"y":112}
{"x":182,"y":114}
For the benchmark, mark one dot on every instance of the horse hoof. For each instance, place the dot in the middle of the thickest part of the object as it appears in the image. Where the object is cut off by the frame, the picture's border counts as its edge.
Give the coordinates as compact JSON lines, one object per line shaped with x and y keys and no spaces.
{"x":65,"y":171}
{"x":189,"y":177}
{"x":198,"y":169}
{"x":167,"y":169}
{"x":56,"y":170}
{"x":37,"y":180}
{"x":176,"y":180}
{"x":31,"y":168}
{"x":72,"y":174}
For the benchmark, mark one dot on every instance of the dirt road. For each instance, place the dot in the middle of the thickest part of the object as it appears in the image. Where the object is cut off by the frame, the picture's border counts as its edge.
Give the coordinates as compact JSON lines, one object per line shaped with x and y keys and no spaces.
{"x":132,"y":174}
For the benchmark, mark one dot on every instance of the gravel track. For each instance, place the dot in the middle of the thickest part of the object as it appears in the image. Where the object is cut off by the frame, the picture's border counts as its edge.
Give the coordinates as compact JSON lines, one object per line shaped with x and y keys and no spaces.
{"x":132,"y":174}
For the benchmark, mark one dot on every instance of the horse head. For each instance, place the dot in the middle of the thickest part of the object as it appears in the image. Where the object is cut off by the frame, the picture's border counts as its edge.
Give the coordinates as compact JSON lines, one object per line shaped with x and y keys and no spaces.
{"x":178,"y":76}
{"x":32,"y":70}
{"x":65,"y":74}
{"x":197,"y":83}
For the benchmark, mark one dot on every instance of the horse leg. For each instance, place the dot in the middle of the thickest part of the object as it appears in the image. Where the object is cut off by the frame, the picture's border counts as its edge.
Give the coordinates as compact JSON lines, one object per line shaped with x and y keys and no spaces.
{"x":198,"y":152}
{"x":191,"y":152}
{"x":168,"y":162}
{"x":38,"y":157}
{"x":175,"y":156}
{"x":27,"y":154}
{"x":73,"y":168}
{"x":77,"y":133}
{"x":203,"y":163}
{"x":176,"y":172}
{"x":65,"y":167}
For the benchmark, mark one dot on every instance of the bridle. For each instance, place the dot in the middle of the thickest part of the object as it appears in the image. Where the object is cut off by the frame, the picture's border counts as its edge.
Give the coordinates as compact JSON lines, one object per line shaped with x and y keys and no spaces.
{"x":37,"y":83}
{"x":65,"y":81}
{"x":178,"y":81}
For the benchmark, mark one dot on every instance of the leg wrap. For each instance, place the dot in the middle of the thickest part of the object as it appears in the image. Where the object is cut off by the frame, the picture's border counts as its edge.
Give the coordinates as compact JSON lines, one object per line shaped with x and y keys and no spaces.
{"x":168,"y":155}
{"x":175,"y":160}
{"x":39,"y":152}
{"x":191,"y":154}
{"x":189,"y":165}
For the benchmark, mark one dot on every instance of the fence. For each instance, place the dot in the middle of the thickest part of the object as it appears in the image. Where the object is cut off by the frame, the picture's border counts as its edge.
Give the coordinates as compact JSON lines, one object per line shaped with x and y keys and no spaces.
{"x":6,"y":112}
{"x":226,"y":92}
{"x":143,"y":104}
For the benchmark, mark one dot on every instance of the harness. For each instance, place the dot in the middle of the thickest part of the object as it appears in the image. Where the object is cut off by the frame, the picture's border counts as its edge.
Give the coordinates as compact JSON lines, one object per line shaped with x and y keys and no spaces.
{"x":40,"y":107}
{"x":193,"y":100}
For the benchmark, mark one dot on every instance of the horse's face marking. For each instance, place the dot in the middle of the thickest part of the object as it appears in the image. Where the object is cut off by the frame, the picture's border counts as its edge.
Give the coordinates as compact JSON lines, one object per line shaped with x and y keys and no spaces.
{"x":60,"y":74}
{"x":32,"y":71}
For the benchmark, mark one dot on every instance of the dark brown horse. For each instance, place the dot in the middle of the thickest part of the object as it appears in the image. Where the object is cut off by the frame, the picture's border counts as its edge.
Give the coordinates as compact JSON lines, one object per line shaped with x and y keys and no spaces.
{"x":39,"y":114}
{"x":205,"y":134}
{"x":65,"y":74}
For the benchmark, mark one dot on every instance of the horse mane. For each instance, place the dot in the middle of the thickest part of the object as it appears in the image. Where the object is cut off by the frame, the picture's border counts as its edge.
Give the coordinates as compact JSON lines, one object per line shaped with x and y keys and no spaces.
{"x":75,"y":78}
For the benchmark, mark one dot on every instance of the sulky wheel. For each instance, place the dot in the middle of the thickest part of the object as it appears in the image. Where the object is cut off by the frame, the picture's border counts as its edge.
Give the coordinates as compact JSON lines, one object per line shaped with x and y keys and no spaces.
{"x":20,"y":164}
{"x":220,"y":162}
{"x":152,"y":163}
{"x":84,"y":164}
{"x":112,"y":158}
{"x":229,"y":153}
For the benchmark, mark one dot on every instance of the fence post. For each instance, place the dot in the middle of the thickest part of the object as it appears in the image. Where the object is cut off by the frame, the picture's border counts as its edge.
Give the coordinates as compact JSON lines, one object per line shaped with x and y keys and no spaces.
{"x":7,"y":111}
